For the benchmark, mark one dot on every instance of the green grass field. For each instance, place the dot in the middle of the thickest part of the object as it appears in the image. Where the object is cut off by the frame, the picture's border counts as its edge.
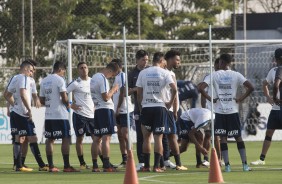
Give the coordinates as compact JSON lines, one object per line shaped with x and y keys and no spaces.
{"x":270,"y":173}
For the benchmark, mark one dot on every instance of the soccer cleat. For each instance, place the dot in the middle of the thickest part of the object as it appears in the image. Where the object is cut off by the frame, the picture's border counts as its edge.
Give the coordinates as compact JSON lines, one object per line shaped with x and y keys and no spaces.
{"x":139,"y":165}
{"x":121,"y":165}
{"x":44,"y":168}
{"x":201,"y":166}
{"x":70,"y":169}
{"x":110,"y":169}
{"x":96,"y":170}
{"x":221,"y":163}
{"x":181,"y":168}
{"x":169,"y":164}
{"x":84,"y":167}
{"x":24,"y":169}
{"x":227,"y":168}
{"x":158,"y":170}
{"x":258,"y":162}
{"x":246,"y":167}
{"x":144,"y":169}
{"x":206,"y":163}
{"x":53,"y":169}
{"x":163,"y":168}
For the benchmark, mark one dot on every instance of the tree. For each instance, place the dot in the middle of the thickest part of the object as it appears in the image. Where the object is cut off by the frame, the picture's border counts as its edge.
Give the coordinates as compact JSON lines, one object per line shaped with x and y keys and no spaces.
{"x":270,"y":6}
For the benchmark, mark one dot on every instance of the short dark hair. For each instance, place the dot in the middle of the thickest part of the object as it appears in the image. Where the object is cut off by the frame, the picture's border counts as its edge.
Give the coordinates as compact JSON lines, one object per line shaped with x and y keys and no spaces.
{"x":141,"y":53}
{"x":226,"y":58}
{"x":118,"y":62}
{"x":216,"y":61}
{"x":278,"y":54}
{"x":80,"y":63}
{"x":113,"y":66}
{"x":157,"y":57}
{"x":171,"y":53}
{"x":59,"y":65}
{"x":28,"y":62}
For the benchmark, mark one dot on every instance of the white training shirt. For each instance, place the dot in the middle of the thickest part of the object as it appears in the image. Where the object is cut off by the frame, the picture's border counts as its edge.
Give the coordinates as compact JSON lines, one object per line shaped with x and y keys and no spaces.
{"x":270,"y":78}
{"x":199,"y":116}
{"x":167,"y":94}
{"x":208,"y":103}
{"x":226,"y":83}
{"x":99,"y":84}
{"x":18,"y":82}
{"x":82,"y":96}
{"x":50,"y":88}
{"x":153,"y":80}
{"x":120,"y":80}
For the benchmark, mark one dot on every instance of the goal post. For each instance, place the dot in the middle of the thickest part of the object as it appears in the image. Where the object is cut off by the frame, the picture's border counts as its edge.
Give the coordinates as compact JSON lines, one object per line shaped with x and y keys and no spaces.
{"x":252,"y":58}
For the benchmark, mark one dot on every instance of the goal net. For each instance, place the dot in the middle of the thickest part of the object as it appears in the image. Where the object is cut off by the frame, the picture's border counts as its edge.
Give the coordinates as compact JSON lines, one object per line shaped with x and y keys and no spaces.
{"x":252,"y":58}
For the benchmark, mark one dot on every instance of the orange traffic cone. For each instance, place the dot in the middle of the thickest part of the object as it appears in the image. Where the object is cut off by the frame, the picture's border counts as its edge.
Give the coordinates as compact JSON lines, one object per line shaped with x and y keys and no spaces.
{"x":130,"y":176}
{"x":215,"y":175}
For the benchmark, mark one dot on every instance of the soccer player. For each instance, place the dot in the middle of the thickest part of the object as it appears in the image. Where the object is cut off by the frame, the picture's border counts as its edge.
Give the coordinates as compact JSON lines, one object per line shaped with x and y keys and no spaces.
{"x":207,"y":134}
{"x":120,"y":108}
{"x":142,"y":58}
{"x":19,"y":92}
{"x":53,"y":94}
{"x":227,"y":122}
{"x":83,"y":106}
{"x":274,"y":121}
{"x":104,"y":121}
{"x":169,"y":140}
{"x":151,"y":84}
{"x":191,"y":122}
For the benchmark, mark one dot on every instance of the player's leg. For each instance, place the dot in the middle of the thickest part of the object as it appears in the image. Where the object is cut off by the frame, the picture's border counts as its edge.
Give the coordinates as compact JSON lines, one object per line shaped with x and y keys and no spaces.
{"x":207,"y":145}
{"x":95,"y":149}
{"x":146,"y":148}
{"x":158,"y":151}
{"x":139,"y":143}
{"x":242,"y":151}
{"x":200,"y":138}
{"x":122,"y":137}
{"x":24,"y":151}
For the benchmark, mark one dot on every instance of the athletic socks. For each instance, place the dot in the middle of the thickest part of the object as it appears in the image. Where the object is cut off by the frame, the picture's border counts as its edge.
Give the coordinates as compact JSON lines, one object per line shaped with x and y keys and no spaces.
{"x":206,"y":158}
{"x":66,"y":160}
{"x":106,"y":162}
{"x":242,"y":151}
{"x":262,"y":157}
{"x":23,"y":160}
{"x":17,"y":154}
{"x":81,"y":160}
{"x":50,"y":161}
{"x":177,"y":160}
{"x":95,"y":163}
{"x":36,"y":153}
{"x":199,"y":160}
{"x":124,"y":157}
{"x":162,"y":161}
{"x":146,"y":157}
{"x":157,"y":159}
{"x":224,"y":152}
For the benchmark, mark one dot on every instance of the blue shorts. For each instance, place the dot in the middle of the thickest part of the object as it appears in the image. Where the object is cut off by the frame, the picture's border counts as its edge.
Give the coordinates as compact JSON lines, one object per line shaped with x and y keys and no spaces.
{"x":57,"y":128}
{"x":185,"y":128}
{"x":24,"y":126}
{"x":274,"y":120}
{"x":82,"y":125}
{"x":121,"y":120}
{"x":227,"y":125}
{"x":13,"y":126}
{"x":154,"y":118}
{"x":170,"y":126}
{"x":104,"y":122}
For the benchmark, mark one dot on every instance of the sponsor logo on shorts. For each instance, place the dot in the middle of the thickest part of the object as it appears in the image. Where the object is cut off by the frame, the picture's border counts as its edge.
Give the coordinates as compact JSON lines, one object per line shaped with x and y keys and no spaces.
{"x":160,"y":129}
{"x":220,"y":131}
{"x":96,"y":131}
{"x":13,"y":130}
{"x":57,"y":133}
{"x":183,"y":132}
{"x":148,"y":127}
{"x":104,"y":130}
{"x":233,"y":132}
{"x":47,"y":134}
{"x":22,"y":132}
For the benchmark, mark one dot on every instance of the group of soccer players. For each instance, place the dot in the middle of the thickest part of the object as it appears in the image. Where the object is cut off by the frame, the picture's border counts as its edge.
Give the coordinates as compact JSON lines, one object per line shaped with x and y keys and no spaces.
{"x":100,"y":110}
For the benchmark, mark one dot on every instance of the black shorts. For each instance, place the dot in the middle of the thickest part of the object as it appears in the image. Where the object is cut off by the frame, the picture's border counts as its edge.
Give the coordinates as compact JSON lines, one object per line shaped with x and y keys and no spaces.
{"x":57,"y":128}
{"x":23,"y":125}
{"x":13,"y":126}
{"x":154,"y":118}
{"x":104,"y":122}
{"x":170,"y":126}
{"x":82,"y":125}
{"x":185,"y":128}
{"x":274,"y":120}
{"x":227,"y":125}
{"x":121,"y":120}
